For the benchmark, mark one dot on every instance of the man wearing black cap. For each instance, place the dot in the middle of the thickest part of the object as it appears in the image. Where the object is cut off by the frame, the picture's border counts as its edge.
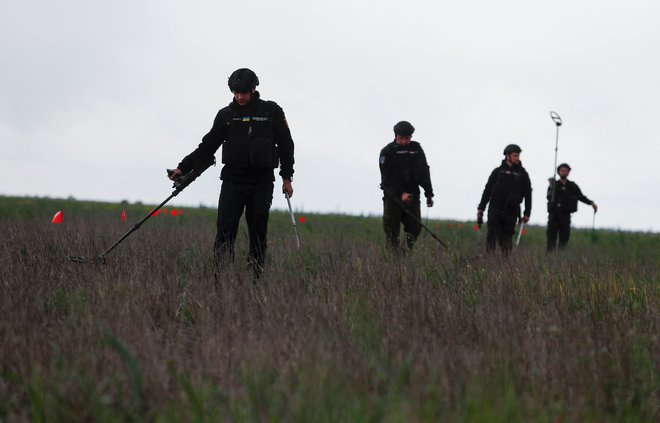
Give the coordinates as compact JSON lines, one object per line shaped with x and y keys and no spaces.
{"x":506,"y":188}
{"x":561,"y":203}
{"x":255,"y":139}
{"x":403,"y":169}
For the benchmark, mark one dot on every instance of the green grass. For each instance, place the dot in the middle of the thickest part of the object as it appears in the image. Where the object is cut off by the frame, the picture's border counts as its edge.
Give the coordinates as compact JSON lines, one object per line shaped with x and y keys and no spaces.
{"x":336,"y":331}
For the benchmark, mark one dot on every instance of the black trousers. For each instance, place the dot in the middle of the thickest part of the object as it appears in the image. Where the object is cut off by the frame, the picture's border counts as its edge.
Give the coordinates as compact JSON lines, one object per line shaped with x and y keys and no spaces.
{"x":394,"y":215}
{"x":255,"y":200}
{"x":501,"y":227}
{"x":558,"y":224}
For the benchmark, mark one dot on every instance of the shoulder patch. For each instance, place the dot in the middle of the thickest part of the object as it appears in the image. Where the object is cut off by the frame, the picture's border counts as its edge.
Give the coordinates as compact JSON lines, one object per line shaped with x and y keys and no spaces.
{"x":382,"y":159}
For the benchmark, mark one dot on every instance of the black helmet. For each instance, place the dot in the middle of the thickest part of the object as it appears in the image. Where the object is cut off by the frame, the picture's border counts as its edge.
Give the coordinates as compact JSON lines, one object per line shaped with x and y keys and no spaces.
{"x":511,"y":148}
{"x":243,"y":81}
{"x":563,"y":165}
{"x":404,"y":128}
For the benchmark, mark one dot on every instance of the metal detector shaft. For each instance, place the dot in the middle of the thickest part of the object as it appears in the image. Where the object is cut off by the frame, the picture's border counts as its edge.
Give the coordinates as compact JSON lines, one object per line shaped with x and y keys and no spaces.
{"x":411,"y":214}
{"x":137,"y":225}
{"x":179,"y":185}
{"x":522,"y":226}
{"x":293,"y":218}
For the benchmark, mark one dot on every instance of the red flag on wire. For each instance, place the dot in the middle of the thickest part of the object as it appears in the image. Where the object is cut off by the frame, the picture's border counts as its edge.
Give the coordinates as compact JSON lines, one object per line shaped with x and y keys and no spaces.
{"x":123,"y":215}
{"x":58,"y":217}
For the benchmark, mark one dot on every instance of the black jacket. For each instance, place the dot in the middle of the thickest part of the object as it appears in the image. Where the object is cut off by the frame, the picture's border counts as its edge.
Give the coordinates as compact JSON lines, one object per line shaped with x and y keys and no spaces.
{"x":566,"y":198}
{"x":255,"y":139}
{"x":404,"y":169}
{"x":506,"y":188}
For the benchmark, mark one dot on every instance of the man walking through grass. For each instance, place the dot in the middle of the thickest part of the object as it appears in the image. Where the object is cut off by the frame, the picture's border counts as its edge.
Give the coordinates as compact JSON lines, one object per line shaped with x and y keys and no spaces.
{"x":506,"y":188}
{"x":566,"y":196}
{"x":255,"y":139}
{"x":403,"y":169}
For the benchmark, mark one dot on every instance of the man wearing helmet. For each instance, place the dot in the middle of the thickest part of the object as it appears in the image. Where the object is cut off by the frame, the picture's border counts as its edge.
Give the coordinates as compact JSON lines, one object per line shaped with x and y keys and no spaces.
{"x":403,"y":169}
{"x":566,"y":196}
{"x":255,"y":139}
{"x":506,"y":188}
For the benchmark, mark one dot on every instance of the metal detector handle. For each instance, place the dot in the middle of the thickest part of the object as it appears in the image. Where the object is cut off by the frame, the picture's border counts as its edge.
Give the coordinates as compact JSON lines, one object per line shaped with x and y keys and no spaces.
{"x":555,"y":117}
{"x":184,"y":180}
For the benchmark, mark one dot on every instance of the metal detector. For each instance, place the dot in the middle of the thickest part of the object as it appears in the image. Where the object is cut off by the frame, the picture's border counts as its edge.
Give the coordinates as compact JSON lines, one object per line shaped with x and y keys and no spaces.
{"x":179,"y":185}
{"x":557,"y":120}
{"x":411,"y":214}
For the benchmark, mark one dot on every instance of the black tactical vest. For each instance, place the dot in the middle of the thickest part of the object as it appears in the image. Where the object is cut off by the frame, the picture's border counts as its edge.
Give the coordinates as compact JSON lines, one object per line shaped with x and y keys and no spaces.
{"x":249,"y":140}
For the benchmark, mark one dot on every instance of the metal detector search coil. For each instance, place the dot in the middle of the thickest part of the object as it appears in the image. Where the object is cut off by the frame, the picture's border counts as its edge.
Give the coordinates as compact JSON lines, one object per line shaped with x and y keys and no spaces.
{"x":555,"y":117}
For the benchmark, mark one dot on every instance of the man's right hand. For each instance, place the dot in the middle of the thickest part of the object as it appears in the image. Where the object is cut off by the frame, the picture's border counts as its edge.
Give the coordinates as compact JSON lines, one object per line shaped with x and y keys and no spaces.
{"x":406,"y":197}
{"x":480,"y":216}
{"x":174,"y":174}
{"x":287,"y":187}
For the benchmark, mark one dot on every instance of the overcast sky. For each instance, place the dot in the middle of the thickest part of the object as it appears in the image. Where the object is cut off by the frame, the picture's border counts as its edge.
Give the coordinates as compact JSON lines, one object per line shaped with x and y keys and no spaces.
{"x":98,"y":98}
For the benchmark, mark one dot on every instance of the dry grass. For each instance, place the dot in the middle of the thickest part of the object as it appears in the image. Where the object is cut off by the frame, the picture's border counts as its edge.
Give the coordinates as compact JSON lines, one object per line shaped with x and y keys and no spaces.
{"x":337,"y":331}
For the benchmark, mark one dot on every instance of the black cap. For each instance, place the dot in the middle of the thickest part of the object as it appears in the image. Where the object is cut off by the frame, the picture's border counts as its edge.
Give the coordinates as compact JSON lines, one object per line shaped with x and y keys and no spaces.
{"x":404,"y":128}
{"x":243,"y":81}
{"x":563,"y":165}
{"x":511,"y":148}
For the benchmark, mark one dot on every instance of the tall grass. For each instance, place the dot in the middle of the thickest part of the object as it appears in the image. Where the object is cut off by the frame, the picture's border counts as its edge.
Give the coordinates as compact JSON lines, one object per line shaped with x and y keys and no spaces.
{"x":336,"y":331}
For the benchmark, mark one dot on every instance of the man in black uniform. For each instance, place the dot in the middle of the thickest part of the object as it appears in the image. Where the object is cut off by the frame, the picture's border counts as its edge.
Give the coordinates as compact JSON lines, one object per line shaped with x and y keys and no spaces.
{"x":403,"y":169}
{"x":255,"y":139}
{"x":505,"y":190}
{"x":566,"y":196}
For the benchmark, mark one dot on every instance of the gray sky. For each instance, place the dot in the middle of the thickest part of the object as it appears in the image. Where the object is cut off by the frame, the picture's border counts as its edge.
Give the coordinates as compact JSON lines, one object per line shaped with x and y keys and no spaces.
{"x":98,"y":98}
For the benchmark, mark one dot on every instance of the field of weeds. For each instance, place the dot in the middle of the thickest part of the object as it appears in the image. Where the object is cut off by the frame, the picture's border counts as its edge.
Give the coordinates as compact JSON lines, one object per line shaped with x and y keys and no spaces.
{"x":335,"y":331}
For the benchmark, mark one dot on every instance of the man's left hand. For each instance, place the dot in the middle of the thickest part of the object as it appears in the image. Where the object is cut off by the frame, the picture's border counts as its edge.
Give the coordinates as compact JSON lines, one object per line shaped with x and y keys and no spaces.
{"x":525,"y":219}
{"x":287,"y":187}
{"x":594,"y":206}
{"x":429,"y":201}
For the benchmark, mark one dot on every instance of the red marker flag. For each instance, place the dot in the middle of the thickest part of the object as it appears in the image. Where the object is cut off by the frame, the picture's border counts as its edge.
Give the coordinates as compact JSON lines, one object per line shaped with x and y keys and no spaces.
{"x":173,"y":212}
{"x":123,"y":215}
{"x":301,"y":219}
{"x":58,"y":217}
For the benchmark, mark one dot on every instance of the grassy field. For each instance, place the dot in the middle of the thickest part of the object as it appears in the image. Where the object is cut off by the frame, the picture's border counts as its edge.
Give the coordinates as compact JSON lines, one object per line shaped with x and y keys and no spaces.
{"x":335,"y":331}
